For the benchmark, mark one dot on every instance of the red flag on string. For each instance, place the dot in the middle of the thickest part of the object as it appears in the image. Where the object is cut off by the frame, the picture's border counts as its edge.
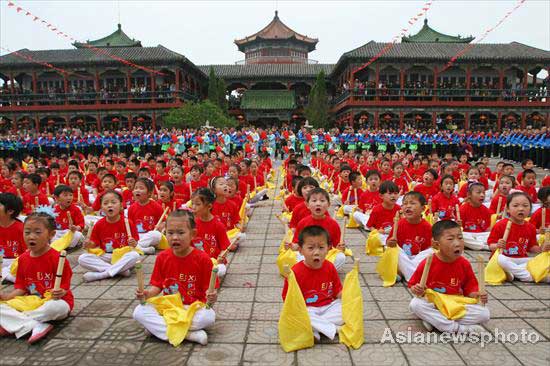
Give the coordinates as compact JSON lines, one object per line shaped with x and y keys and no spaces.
{"x":11,"y":4}
{"x":19,"y":9}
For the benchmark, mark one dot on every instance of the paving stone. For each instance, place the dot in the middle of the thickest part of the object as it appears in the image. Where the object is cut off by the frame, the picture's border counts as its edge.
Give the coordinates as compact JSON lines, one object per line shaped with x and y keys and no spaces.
{"x":378,"y":354}
{"x":14,"y":351}
{"x":156,"y":352}
{"x":542,"y":325}
{"x":240,"y":280}
{"x":270,"y":280}
{"x":325,"y":354}
{"x":59,"y":352}
{"x":431,"y":354}
{"x":268,"y":294}
{"x":105,"y":308}
{"x":125,"y":330}
{"x":111,"y":353}
{"x":119,"y":293}
{"x":531,"y":354}
{"x":396,"y":310}
{"x":244,"y":268}
{"x":262,"y":331}
{"x":230,"y":294}
{"x":89,"y":292}
{"x":85,"y":328}
{"x":390,"y":293}
{"x":541,"y":292}
{"x":528,"y":308}
{"x":216,"y":354}
{"x":508,"y":293}
{"x":374,"y":330}
{"x":267,"y":354}
{"x":266,"y":310}
{"x":510,"y":326}
{"x":233,"y":310}
{"x":487,"y":355}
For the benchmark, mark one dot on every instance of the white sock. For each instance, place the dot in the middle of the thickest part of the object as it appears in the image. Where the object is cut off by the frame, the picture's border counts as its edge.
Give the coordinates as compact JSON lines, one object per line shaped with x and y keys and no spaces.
{"x":197,"y":336}
{"x":95,"y":276}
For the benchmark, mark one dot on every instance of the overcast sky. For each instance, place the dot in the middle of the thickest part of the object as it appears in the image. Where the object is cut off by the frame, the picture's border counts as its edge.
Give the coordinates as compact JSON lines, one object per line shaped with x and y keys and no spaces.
{"x":204,"y":31}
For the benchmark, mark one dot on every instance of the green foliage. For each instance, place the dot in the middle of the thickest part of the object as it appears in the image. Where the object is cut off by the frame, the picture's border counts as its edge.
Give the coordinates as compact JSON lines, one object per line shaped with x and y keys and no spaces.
{"x":317,"y":111}
{"x":216,"y":91}
{"x":195,"y":115}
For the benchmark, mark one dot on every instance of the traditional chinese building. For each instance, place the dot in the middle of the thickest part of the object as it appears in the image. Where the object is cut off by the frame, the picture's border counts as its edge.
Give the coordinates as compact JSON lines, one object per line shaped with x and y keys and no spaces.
{"x":489,"y":85}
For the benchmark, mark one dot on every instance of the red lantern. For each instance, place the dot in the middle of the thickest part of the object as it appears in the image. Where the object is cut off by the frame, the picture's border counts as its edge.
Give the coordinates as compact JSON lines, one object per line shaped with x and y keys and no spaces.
{"x":328,"y":138}
{"x":51,"y":122}
{"x":307,"y":148}
{"x":418,"y":117}
{"x":141,"y":119}
{"x":295,"y":116}
{"x":387,"y":117}
{"x":483,"y":117}
{"x":263,"y":135}
{"x":536,"y":117}
{"x":80,"y":121}
{"x":285,"y":148}
{"x":308,"y":137}
{"x":449,"y":117}
{"x":240,"y":117}
{"x":511,"y":118}
{"x":116,"y":120}
{"x":218,"y":148}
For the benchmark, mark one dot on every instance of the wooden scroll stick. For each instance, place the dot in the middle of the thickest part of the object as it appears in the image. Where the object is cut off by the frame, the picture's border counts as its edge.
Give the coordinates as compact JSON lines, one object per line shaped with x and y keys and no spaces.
{"x":79,"y":196}
{"x":481,"y":275}
{"x":426,"y":271}
{"x":128,"y":231}
{"x":499,"y":205}
{"x":457,"y":208}
{"x":36,"y":202}
{"x":162,"y":218}
{"x":507,"y":231}
{"x":69,"y":220}
{"x":343,"y":234}
{"x":140,"y":279}
{"x":543,"y":224}
{"x":1,"y":260}
{"x":395,"y":222}
{"x":212,"y":284}
{"x":255,"y":184}
{"x":223,"y":254}
{"x":59,"y":273}
{"x":356,"y":199}
{"x":430,"y":207}
{"x":190,"y":190}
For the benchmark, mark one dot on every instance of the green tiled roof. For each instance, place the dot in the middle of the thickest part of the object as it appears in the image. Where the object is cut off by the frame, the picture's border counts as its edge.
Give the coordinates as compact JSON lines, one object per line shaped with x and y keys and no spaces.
{"x":268,"y":99}
{"x":427,"y":34}
{"x":116,"y":39}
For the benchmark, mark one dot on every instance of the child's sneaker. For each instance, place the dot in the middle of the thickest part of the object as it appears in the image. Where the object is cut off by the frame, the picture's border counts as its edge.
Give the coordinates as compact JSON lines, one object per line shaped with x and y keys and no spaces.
{"x":427,"y":326}
{"x":4,"y":332}
{"x":398,"y":278}
{"x":197,"y":336}
{"x":148,"y":250}
{"x":95,"y":276}
{"x":39,"y":332}
{"x":509,"y":276}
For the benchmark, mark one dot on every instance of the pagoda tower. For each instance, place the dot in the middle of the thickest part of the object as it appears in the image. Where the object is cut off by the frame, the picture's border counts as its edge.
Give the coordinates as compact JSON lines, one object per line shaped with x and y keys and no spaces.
{"x":276,"y":44}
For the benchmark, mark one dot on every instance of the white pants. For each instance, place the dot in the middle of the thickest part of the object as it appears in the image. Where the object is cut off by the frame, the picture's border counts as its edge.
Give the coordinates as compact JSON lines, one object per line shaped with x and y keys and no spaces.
{"x":407,"y":265}
{"x":151,"y":320}
{"x":361,"y":218}
{"x":21,"y":323}
{"x":258,"y":196}
{"x":325,"y":319}
{"x":91,"y":219}
{"x":476,"y":241}
{"x":516,"y":266}
{"x":222,"y":269}
{"x":348,"y":209}
{"x":6,"y":274}
{"x":149,"y":239}
{"x":336,"y":200}
{"x":102,"y":263}
{"x":475,"y":314}
{"x":77,"y":237}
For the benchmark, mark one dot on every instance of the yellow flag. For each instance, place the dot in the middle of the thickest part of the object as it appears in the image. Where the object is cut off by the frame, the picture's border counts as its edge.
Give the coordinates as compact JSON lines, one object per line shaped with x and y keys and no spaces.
{"x":452,"y":306}
{"x":374,"y":246}
{"x":295,"y":330}
{"x":178,"y":319}
{"x":539,"y":267}
{"x":429,"y":218}
{"x":163,"y":243}
{"x":286,"y":216}
{"x":288,"y":257}
{"x":119,"y":252}
{"x":340,"y":212}
{"x":387,"y":266}
{"x":28,"y":302}
{"x":63,"y":242}
{"x":97,"y":251}
{"x":352,"y":224}
{"x":287,"y":239}
{"x":494,"y":274}
{"x":352,"y":333}
{"x":493,"y":219}
{"x":231,"y":234}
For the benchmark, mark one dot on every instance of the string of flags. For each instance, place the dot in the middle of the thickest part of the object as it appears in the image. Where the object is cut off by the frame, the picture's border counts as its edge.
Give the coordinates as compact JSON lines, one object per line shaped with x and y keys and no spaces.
{"x":43,"y":63}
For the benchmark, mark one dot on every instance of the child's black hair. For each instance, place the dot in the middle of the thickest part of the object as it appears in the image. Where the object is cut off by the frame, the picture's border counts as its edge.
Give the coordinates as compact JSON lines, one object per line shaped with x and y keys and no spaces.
{"x":196,"y":167}
{"x":130,"y":175}
{"x":433,"y":173}
{"x":34,"y":178}
{"x":205,"y":195}
{"x":472,"y":186}
{"x":109,"y":175}
{"x":168,"y":185}
{"x":11,"y":202}
{"x":302,"y":168}
{"x":111,"y":191}
{"x":62,"y":188}
{"x":417,"y":195}
{"x":446,"y":176}
{"x":47,"y":219}
{"x":525,"y":161}
{"x":148,"y":183}
{"x":388,"y":186}
{"x":529,"y":171}
{"x":296,"y":180}
{"x":213,"y":181}
{"x":439,"y":227}
{"x":310,"y":231}
{"x":510,"y":178}
{"x":182,"y":213}
{"x":318,"y":190}
{"x":77,"y":173}
{"x":345,"y":167}
{"x":353,"y":176}
{"x":372,"y":172}
{"x":162,"y":163}
{"x":307,"y":181}
{"x":543,"y":194}
{"x":511,"y":196}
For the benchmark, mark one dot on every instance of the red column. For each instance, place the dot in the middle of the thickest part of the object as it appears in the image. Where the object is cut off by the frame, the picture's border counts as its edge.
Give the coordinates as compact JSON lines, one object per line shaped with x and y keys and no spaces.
{"x":153,"y":88}
{"x":154,"y":120}
{"x":499,"y":120}
{"x":129,"y":122}
{"x":402,"y":84}
{"x":435,"y":83}
{"x":434,"y":119}
{"x":66,"y":88}
{"x":377,"y":81}
{"x":401,"y":120}
{"x":466,"y":120}
{"x":12,"y":84}
{"x":177,"y":96}
{"x":523,"y":119}
{"x":468,"y":83}
{"x":97,"y":88}
{"x":36,"y":123}
{"x":376,"y":120}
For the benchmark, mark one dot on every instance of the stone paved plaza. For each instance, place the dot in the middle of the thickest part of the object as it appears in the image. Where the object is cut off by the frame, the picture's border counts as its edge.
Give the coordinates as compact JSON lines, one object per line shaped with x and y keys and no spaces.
{"x":101,"y":331}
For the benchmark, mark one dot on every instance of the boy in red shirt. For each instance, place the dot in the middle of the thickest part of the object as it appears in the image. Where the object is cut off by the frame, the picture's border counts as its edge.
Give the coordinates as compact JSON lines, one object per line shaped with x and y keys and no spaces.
{"x":475,"y":218}
{"x":36,"y":273}
{"x":528,"y":184}
{"x":414,"y":235}
{"x":319,"y":282}
{"x":295,"y":198}
{"x":145,"y":214}
{"x":128,"y":191}
{"x":318,"y":203}
{"x":369,"y":199}
{"x":536,"y":217}
{"x":428,"y":188}
{"x":305,"y":186}
{"x":382,"y":215}
{"x":450,"y":273}
{"x":182,"y":270}
{"x":33,"y":198}
{"x":444,"y":203}
{"x":64,"y":208}
{"x":351,"y":195}
{"x":12,"y":244}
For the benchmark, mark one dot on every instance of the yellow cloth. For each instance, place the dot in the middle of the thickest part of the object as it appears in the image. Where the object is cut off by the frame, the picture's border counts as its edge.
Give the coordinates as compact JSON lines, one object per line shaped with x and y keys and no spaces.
{"x":287,"y":239}
{"x":178,"y":319}
{"x":340,"y":212}
{"x":163,"y":243}
{"x":387,"y":266}
{"x":352,"y":224}
{"x":331,"y":255}
{"x":494,"y":274}
{"x":493,"y":220}
{"x":118,"y":253}
{"x":63,"y":242}
{"x":287,"y":257}
{"x":540,"y":240}
{"x":286,"y":216}
{"x":97,"y":251}
{"x":374,"y":246}
{"x":461,"y":183}
{"x":28,"y":302}
{"x":13,"y":267}
{"x":352,"y":333}
{"x":269,"y":185}
{"x":429,"y":218}
{"x":295,"y":330}
{"x":242,"y":209}
{"x":233,"y":233}
{"x":539,"y":267}
{"x":452,"y":306}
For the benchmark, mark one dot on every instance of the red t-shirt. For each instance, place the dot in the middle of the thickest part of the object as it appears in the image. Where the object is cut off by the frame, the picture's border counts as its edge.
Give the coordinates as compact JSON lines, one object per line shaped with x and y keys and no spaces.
{"x":127,"y":197}
{"x":348,"y":196}
{"x":227,"y":213}
{"x":173,"y":205}
{"x":327,"y":223}
{"x":368,"y":200}
{"x":181,"y":192}
{"x":494,"y":203}
{"x":520,"y":240}
{"x":401,"y":183}
{"x":546,"y":181}
{"x":211,"y":237}
{"x":413,"y":238}
{"x":189,"y":275}
{"x":300,"y":211}
{"x":84,"y":196}
{"x":145,"y":216}
{"x":292,"y":201}
{"x":12,"y":244}
{"x":444,"y":207}
{"x":340,"y":185}
{"x":475,"y":219}
{"x":319,"y":287}
{"x":109,"y":236}
{"x":536,"y":218}
{"x":36,"y":275}
{"x":456,"y":278}
{"x":427,"y":192}
{"x":381,"y":218}
{"x":531,"y":191}
{"x":61,"y":220}
{"x":29,"y":202}
{"x":91,"y":179}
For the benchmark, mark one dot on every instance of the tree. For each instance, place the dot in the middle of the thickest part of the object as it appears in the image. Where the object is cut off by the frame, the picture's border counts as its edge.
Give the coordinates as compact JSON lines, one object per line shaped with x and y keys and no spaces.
{"x":317,"y":110}
{"x":216,"y":91}
{"x":222,"y":96}
{"x":195,"y":115}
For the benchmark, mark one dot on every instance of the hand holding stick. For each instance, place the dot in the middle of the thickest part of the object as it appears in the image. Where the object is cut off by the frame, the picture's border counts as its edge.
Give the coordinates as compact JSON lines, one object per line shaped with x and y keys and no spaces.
{"x":128,"y":231}
{"x":69,"y":220}
{"x":59,"y":273}
{"x":426,"y":271}
{"x":457,"y":208}
{"x":157,"y":226}
{"x":499,"y":205}
{"x":395,"y":222}
{"x":212,"y":284}
{"x":1,"y":260}
{"x":481,"y":275}
{"x":507,"y":231}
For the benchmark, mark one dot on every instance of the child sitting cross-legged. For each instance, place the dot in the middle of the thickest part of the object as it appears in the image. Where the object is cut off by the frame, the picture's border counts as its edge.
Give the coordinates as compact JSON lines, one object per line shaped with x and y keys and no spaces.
{"x":12,"y":244}
{"x":181,"y":269}
{"x":451,"y":274}
{"x":318,"y":281}
{"x":69,"y":216}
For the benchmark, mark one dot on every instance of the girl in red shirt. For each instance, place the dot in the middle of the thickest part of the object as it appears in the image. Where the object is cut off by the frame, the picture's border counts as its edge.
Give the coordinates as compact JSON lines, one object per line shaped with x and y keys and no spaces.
{"x":109,"y":234}
{"x":294,"y":198}
{"x":182,"y":270}
{"x":211,"y":236}
{"x":12,"y":244}
{"x":36,"y":273}
{"x":226,"y":210}
{"x":427,"y":188}
{"x":181,"y":189}
{"x":167,"y":197}
{"x":536,"y":218}
{"x":305,"y":186}
{"x":444,"y":203}
{"x":475,"y":218}
{"x":505,"y":185}
{"x":522,"y":239}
